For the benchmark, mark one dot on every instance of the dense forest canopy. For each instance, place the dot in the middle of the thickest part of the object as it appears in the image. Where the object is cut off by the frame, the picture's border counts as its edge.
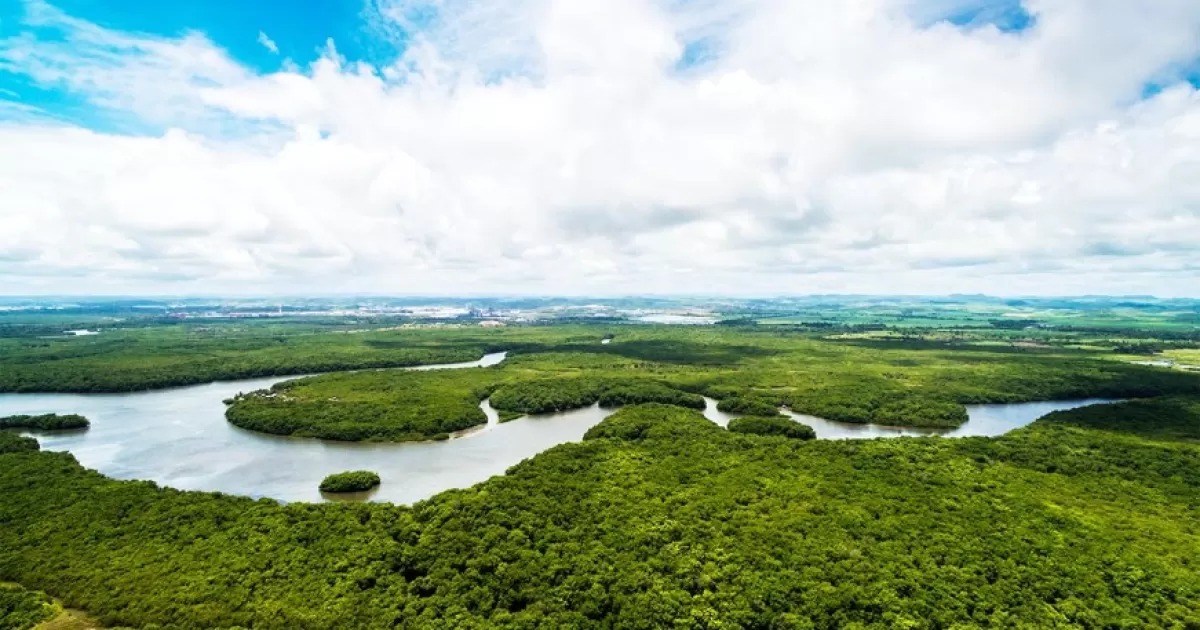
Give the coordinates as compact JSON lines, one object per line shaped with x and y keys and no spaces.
{"x":775,"y":426}
{"x":350,"y":481}
{"x":393,"y":405}
{"x":45,"y":422}
{"x":12,"y":443}
{"x":550,"y":369}
{"x":21,"y":608}
{"x":660,"y":519}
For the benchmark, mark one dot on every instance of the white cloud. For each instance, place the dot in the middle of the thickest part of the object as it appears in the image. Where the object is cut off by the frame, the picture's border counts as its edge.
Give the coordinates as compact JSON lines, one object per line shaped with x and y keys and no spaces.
{"x":268,"y":43}
{"x":552,"y":145}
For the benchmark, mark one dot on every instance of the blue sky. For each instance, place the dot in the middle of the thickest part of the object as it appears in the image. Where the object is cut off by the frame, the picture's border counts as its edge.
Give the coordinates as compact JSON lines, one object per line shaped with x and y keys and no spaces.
{"x":918,"y":146}
{"x":299,"y":36}
{"x":299,"y":29}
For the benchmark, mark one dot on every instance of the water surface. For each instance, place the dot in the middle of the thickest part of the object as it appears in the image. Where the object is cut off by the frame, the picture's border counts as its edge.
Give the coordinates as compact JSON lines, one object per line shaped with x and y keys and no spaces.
{"x":179,"y":438}
{"x":983,"y":421}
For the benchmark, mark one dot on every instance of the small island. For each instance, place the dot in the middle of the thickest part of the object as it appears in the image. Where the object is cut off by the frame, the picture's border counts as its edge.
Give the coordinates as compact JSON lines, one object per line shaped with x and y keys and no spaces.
{"x":351,"y":481}
{"x":774,"y":425}
{"x":45,"y":422}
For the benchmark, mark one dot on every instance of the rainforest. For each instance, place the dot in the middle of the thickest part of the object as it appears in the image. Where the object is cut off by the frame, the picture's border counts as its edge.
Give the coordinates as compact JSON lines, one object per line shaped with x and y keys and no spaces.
{"x":657,"y":517}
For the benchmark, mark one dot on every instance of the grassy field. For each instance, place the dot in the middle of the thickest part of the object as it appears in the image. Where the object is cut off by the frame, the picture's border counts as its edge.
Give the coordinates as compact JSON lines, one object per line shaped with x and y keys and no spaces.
{"x":1187,"y":357}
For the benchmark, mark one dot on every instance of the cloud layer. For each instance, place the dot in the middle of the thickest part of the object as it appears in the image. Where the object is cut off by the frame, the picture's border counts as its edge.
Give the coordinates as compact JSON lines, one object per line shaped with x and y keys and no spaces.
{"x":629,"y":146}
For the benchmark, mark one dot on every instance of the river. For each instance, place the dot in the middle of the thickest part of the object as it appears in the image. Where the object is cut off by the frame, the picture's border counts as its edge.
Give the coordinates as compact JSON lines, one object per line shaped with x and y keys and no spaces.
{"x":179,"y":438}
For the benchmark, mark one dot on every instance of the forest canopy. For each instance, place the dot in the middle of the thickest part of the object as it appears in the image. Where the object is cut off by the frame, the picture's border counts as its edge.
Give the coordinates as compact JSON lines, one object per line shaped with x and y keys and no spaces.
{"x":772,"y":426}
{"x":661,"y":519}
{"x":13,"y":443}
{"x":45,"y":422}
{"x":749,"y":372}
{"x":350,"y":481}
{"x":20,"y":608}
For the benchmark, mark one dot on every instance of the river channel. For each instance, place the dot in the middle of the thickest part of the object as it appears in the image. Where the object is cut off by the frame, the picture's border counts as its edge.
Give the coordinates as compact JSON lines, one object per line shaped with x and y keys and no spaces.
{"x":179,"y":438}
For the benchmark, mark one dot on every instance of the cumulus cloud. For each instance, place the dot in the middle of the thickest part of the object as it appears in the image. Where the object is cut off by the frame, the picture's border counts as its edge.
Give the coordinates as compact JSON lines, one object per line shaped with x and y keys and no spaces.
{"x":764,"y":146}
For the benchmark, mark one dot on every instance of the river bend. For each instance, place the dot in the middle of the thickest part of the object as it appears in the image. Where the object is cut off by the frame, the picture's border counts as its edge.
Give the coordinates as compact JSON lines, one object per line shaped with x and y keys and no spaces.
{"x":179,"y":437}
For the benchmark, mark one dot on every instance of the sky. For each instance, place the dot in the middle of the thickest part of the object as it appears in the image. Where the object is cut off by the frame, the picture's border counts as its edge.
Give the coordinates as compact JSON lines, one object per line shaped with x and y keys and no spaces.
{"x":587,"y":147}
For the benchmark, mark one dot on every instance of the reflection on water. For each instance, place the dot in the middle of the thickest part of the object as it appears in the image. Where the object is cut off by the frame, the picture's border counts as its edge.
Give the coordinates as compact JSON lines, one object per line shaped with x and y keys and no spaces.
{"x":179,"y":438}
{"x":718,"y":417}
{"x":983,"y":420}
{"x":351,"y":497}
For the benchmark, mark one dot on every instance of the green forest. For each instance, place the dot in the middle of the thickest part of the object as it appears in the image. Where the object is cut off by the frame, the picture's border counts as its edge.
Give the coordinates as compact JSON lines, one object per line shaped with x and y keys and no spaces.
{"x":350,"y":481}
{"x":153,"y":357}
{"x":660,"y":519}
{"x":772,"y":426}
{"x":381,"y":405}
{"x":13,"y":443}
{"x":750,"y":372}
{"x":20,"y":608}
{"x":45,"y":422}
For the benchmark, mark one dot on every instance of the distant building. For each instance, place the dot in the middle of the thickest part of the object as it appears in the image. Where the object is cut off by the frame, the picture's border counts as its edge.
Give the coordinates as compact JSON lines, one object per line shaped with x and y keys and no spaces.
{"x":491,"y":323}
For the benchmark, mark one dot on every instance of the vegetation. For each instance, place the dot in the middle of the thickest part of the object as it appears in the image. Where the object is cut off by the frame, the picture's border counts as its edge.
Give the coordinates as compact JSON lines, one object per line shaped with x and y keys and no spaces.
{"x":390,"y":405}
{"x":772,"y":426}
{"x":639,"y":392}
{"x":547,"y":395}
{"x":45,"y":422}
{"x":746,"y":405}
{"x":906,"y":382}
{"x":844,"y":369}
{"x":20,"y":609}
{"x":652,"y":420}
{"x":661,"y":519}
{"x":883,"y":407}
{"x":572,"y":392}
{"x":13,"y":443}
{"x":382,"y":405}
{"x":351,"y":481}
{"x":658,"y":518}
{"x":160,"y":356}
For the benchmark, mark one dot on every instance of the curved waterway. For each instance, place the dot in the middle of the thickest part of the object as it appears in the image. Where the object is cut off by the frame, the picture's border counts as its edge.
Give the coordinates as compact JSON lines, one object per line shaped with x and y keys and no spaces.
{"x":179,"y":438}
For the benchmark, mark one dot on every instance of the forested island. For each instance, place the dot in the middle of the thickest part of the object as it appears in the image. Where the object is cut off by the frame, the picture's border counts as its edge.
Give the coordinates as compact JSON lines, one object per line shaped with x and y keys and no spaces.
{"x":45,"y":422}
{"x":350,"y":481}
{"x":772,"y":425}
